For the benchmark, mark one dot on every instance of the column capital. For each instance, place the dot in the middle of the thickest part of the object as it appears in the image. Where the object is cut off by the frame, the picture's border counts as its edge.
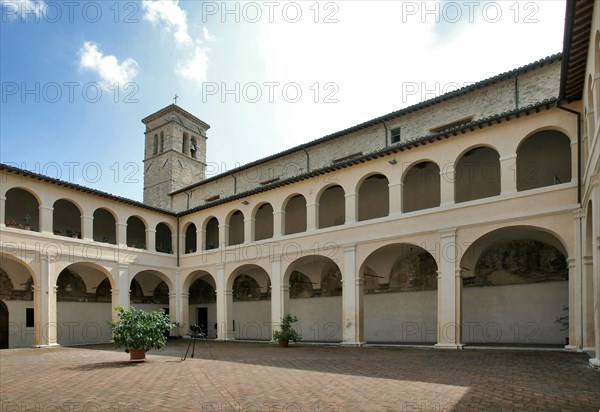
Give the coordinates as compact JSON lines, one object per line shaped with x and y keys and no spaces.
{"x":350,"y":248}
{"x":505,"y":158}
{"x":445,"y":233}
{"x":42,"y":207}
{"x":87,"y":217}
{"x":578,"y":214}
{"x":347,"y":195}
{"x":571,"y":262}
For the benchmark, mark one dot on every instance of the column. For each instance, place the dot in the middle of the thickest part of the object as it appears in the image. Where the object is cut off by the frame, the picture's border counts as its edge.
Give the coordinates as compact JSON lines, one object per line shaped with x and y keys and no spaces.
{"x":46,"y":305}
{"x":224,"y":307}
{"x":595,"y":362}
{"x":184,"y":323}
{"x":588,"y":304}
{"x":176,"y":306}
{"x":278,"y":223}
{"x":173,"y":307}
{"x":508,"y":174}
{"x":449,"y":294}
{"x":201,"y":235}
{"x":395,"y":198}
{"x":87,"y":227}
{"x":312,"y":217}
{"x":575,"y":332}
{"x":46,"y":219}
{"x":447,"y":178}
{"x":2,"y":210}
{"x":175,"y":244}
{"x":124,"y":285}
{"x":151,"y":240}
{"x":351,"y":207}
{"x":280,"y":295}
{"x":352,"y":300}
{"x":249,"y":226}
{"x":121,"y":234}
{"x":223,"y":236}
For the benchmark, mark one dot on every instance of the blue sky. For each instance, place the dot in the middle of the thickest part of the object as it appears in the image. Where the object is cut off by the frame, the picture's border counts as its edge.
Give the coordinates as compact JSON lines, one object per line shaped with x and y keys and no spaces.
{"x":78,"y":77}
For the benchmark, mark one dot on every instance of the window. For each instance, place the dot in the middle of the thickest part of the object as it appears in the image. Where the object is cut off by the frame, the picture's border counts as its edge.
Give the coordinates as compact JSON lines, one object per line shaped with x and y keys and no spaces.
{"x":193,"y":148}
{"x":395,"y":135}
{"x":29,"y":322}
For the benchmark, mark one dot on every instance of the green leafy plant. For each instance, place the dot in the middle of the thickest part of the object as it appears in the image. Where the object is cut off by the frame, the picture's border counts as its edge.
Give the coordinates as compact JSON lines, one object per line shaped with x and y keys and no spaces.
{"x":287,"y":332}
{"x":140,"y":329}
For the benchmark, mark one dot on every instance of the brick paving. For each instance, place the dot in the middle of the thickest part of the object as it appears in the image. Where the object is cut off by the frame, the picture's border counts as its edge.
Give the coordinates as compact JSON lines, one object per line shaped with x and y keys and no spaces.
{"x":261,"y":377}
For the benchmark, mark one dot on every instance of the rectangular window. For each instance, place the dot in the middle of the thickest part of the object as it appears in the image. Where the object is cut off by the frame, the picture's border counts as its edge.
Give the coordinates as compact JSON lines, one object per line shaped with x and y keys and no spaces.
{"x":395,"y":135}
{"x":29,"y":322}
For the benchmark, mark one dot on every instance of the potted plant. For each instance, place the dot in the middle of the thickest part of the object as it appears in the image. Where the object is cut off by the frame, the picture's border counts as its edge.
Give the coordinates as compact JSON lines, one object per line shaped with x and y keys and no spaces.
{"x":27,"y":220}
{"x":287,"y":333}
{"x":139,"y":330}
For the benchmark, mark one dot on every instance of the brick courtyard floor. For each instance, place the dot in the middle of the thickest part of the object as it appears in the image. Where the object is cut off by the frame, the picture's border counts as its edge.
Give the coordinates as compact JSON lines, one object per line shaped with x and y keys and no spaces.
{"x":261,"y":377}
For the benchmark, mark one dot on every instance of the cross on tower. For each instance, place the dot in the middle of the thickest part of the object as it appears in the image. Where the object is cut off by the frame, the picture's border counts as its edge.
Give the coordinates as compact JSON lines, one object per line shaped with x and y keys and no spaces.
{"x":175,"y":98}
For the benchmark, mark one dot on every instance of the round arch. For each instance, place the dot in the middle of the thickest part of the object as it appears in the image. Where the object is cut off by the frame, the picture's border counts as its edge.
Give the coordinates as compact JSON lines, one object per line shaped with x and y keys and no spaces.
{"x":477,"y":173}
{"x":421,"y":186}
{"x":25,"y":189}
{"x":197,"y":274}
{"x":407,"y":167}
{"x":163,"y":277}
{"x":295,"y":219}
{"x":515,"y":286}
{"x":22,"y":209}
{"x":368,"y":175}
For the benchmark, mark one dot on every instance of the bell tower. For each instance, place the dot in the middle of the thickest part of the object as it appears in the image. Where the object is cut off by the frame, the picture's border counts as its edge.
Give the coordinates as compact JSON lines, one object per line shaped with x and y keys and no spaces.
{"x":174,"y":154}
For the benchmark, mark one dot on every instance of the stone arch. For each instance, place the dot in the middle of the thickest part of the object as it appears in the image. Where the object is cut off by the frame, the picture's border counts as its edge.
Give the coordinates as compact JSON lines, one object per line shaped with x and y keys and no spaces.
{"x":477,"y":174}
{"x":4,"y":329}
{"x":164,"y":238}
{"x":235,"y":221}
{"x":332,"y":206}
{"x":373,"y":196}
{"x":190,"y":238}
{"x":22,"y":209}
{"x":105,"y":226}
{"x":421,"y":186}
{"x":515,"y":286}
{"x":83,"y":304}
{"x":136,"y":232}
{"x":319,"y":313}
{"x":294,"y":208}
{"x":66,"y":218}
{"x":251,"y":302}
{"x":263,"y":221}
{"x":155,"y":287}
{"x":543,"y":159}
{"x":211,"y":233}
{"x":400,"y":287}
{"x":202,"y":309}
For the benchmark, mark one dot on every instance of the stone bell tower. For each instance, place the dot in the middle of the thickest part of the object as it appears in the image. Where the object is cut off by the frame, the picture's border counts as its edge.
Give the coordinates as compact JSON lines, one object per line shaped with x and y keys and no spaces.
{"x":174,"y":155}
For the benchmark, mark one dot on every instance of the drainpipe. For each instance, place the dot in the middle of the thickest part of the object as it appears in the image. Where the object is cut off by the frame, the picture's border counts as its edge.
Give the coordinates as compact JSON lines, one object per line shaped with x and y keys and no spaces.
{"x":517,"y":90}
{"x":178,"y":240}
{"x":580,"y":221}
{"x":307,"y":160}
{"x":234,"y":184}
{"x":386,"y":134}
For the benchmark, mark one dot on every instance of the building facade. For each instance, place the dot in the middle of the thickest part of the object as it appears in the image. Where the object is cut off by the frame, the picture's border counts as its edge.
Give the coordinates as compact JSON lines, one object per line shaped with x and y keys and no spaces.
{"x":471,"y":218}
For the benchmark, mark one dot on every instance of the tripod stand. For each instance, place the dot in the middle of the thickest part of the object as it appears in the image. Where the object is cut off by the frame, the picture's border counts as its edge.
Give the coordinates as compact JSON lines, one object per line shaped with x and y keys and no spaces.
{"x":195,"y":334}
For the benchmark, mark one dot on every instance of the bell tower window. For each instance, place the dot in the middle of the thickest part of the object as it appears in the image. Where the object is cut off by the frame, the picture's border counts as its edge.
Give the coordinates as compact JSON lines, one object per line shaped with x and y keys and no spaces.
{"x":193,"y":148}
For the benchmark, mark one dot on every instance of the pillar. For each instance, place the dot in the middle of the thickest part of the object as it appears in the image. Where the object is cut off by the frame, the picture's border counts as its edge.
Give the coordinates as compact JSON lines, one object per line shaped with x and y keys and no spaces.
{"x":449,"y":334}
{"x":278,"y":223}
{"x":595,"y":361}
{"x":121,"y":234}
{"x":223,"y":236}
{"x":224,"y":307}
{"x":280,"y":294}
{"x":46,"y":219}
{"x":395,"y":198}
{"x":45,"y":304}
{"x":352,"y":298}
{"x":312,"y":216}
{"x":151,"y":240}
{"x":508,"y":174}
{"x":249,"y":229}
{"x":351,"y":207}
{"x":2,"y":210}
{"x":87,"y":227}
{"x":575,"y":331}
{"x":447,"y":179}
{"x":588,"y":304}
{"x":184,"y":322}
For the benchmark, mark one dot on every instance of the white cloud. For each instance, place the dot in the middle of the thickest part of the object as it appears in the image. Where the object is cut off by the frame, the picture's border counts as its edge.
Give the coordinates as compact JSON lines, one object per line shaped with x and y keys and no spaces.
{"x":171,"y":15}
{"x":107,"y":66}
{"x":207,"y":35}
{"x":196,"y":67}
{"x":23,"y":8}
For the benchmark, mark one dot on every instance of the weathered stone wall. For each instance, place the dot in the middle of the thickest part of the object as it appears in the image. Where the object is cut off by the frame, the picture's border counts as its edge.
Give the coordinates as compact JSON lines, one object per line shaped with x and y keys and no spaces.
{"x":533,"y":86}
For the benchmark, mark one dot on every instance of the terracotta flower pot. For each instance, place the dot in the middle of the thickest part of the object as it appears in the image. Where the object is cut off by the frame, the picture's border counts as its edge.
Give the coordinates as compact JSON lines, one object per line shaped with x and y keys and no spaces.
{"x":284,"y":343}
{"x":137,"y":355}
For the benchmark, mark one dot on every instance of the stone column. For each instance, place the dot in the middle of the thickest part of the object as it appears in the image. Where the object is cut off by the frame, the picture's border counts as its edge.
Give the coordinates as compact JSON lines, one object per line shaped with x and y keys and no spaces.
{"x":352,"y":300}
{"x":280,"y":295}
{"x":249,"y":229}
{"x":449,"y":294}
{"x":124,"y":287}
{"x":87,"y":227}
{"x":173,"y":308}
{"x":46,"y":305}
{"x":278,"y":223}
{"x":447,"y":178}
{"x":184,"y":322}
{"x":223,"y":236}
{"x":121,"y":234}
{"x":508,"y":174}
{"x":201,"y":235}
{"x":351,"y":207}
{"x":224,"y":307}
{"x":575,"y":331}
{"x":312,"y":216}
{"x":588,"y":304}
{"x":151,"y":240}
{"x":395,"y":198}
{"x":46,"y":219}
{"x":2,"y":210}
{"x":595,"y":362}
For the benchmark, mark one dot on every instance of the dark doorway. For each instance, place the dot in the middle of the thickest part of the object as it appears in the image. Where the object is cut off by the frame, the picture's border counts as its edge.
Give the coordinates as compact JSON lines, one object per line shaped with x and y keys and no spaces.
{"x":3,"y":326}
{"x":202,"y":318}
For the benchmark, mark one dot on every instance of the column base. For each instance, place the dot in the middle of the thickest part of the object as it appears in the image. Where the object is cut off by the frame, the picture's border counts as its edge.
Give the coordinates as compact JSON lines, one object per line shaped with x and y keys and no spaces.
{"x":50,"y":345}
{"x":571,"y":348}
{"x":448,"y":345}
{"x":353,"y":344}
{"x":595,"y":363}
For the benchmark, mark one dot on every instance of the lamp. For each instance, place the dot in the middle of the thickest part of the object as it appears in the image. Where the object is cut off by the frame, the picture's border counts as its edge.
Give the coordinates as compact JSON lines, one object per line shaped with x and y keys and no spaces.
{"x":245,"y":202}
{"x":392,"y":161}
